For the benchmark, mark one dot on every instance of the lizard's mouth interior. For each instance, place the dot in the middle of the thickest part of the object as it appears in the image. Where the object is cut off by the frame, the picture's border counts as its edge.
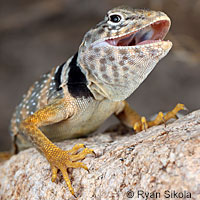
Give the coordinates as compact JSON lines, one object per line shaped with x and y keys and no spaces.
{"x":149,"y":34}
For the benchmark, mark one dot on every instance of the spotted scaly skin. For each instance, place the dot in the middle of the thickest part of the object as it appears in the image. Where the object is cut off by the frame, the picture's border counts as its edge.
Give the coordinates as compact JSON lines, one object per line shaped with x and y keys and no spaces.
{"x":75,"y":98}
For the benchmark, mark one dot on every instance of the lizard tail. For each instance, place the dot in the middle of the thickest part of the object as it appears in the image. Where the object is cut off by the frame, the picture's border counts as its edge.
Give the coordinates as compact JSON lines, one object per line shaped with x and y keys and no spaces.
{"x":5,"y":156}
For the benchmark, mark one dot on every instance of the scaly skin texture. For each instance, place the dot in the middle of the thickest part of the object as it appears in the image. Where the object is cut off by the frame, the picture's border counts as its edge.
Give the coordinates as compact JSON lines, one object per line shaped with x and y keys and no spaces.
{"x":75,"y":98}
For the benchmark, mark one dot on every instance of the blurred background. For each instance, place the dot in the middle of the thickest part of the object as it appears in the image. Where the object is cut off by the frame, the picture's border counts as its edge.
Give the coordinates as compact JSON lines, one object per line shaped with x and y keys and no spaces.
{"x":37,"y":35}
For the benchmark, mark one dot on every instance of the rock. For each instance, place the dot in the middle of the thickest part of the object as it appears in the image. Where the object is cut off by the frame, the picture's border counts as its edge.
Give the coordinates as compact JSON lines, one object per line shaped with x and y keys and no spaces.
{"x":160,"y":162}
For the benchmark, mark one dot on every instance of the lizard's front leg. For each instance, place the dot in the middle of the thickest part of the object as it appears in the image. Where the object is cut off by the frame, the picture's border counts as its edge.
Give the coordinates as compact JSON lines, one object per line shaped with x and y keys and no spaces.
{"x":132,"y":119}
{"x":58,"y":158}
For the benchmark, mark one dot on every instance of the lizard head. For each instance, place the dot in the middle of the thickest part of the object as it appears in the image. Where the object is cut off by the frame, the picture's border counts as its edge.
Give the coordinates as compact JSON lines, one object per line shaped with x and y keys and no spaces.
{"x":119,"y":53}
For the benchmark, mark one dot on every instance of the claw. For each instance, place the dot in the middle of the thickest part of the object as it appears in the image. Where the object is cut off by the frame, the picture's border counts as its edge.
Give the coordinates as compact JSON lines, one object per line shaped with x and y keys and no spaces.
{"x":88,"y":170}
{"x":89,"y":151}
{"x":95,"y":155}
{"x":179,"y":107}
{"x":85,"y":168}
{"x":61,"y":160}
{"x":185,"y":108}
{"x":160,"y":119}
{"x":75,"y":148}
{"x":75,"y":196}
{"x":79,"y":146}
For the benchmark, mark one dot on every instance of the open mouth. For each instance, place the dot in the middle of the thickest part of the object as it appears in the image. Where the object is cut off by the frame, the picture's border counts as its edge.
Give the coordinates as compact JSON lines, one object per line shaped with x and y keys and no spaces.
{"x":153,"y":33}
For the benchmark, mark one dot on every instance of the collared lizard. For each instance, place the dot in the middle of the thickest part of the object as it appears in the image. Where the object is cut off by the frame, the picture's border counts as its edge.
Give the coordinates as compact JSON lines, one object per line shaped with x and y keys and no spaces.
{"x":75,"y":98}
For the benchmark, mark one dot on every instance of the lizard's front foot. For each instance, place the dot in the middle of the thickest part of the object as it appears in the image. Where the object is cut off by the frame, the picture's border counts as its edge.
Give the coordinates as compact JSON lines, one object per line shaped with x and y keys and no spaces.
{"x":143,"y":124}
{"x":61,"y":160}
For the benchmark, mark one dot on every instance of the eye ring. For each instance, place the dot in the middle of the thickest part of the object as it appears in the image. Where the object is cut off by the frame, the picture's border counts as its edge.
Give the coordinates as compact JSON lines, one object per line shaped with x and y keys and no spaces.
{"x":115,"y":18}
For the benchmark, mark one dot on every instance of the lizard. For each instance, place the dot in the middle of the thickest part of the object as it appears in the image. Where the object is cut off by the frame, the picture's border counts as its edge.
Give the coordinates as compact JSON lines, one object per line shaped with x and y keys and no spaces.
{"x":76,"y":97}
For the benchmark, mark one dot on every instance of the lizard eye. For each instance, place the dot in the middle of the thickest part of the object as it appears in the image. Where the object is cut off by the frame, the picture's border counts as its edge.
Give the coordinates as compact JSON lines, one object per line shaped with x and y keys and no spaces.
{"x":115,"y":18}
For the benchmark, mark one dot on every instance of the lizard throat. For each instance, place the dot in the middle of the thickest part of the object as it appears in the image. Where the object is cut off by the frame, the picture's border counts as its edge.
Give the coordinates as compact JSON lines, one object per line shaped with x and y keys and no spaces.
{"x":150,"y":34}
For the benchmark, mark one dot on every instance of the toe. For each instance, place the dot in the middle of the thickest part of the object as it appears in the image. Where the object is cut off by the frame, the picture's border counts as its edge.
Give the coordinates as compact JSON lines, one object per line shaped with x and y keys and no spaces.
{"x":75,"y":148}
{"x":144,"y":123}
{"x":54,"y":171}
{"x":67,"y":181}
{"x":137,"y":127}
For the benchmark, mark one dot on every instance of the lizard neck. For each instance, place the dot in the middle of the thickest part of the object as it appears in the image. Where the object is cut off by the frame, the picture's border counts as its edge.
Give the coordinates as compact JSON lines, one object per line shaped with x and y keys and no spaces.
{"x":77,"y":81}
{"x":108,"y":79}
{"x":79,"y":75}
{"x":71,"y":78}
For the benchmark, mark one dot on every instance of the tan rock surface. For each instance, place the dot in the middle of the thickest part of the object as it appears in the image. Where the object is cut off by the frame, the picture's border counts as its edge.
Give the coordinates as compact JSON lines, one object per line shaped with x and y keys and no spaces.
{"x":160,"y":159}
